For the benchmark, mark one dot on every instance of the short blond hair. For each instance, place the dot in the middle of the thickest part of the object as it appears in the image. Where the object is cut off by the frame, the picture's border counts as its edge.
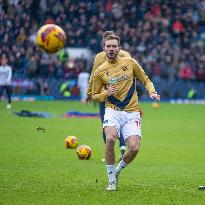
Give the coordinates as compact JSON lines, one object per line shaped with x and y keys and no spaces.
{"x":113,"y":37}
{"x":107,"y":33}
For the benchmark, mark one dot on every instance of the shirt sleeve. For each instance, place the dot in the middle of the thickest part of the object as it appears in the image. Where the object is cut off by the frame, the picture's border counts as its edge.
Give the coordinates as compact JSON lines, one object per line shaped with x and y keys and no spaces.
{"x":124,"y":54}
{"x":97,"y":95}
{"x":141,"y":75}
{"x":90,"y":84}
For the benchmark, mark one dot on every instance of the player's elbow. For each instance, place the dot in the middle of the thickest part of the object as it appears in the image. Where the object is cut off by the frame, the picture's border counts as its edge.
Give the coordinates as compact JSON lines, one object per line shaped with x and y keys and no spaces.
{"x":97,"y":98}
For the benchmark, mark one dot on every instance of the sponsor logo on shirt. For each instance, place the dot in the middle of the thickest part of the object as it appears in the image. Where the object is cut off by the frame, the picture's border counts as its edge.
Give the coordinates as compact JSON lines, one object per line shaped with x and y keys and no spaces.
{"x":115,"y":80}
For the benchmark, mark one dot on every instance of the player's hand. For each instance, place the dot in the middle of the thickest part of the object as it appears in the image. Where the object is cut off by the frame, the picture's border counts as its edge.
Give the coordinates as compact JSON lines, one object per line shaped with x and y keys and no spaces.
{"x":155,"y":96}
{"x":86,"y":101}
{"x":111,"y":90}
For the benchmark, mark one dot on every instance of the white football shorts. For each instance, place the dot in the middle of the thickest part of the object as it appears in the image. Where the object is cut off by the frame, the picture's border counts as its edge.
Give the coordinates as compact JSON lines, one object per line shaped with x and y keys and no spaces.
{"x":129,"y":123}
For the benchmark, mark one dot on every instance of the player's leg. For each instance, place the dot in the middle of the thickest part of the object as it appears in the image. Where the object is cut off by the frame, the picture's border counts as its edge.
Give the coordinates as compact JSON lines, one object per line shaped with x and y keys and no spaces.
{"x":111,"y":128}
{"x":102,"y":113}
{"x":111,"y":134}
{"x":83,"y":93}
{"x":131,"y":130}
{"x":133,"y":143}
{"x":8,"y":92}
{"x":122,"y":145}
{"x":1,"y":92}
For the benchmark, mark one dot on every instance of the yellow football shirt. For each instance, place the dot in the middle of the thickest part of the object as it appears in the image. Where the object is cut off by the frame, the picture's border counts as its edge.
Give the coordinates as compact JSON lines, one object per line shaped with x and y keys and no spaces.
{"x":99,"y":60}
{"x":122,"y":72}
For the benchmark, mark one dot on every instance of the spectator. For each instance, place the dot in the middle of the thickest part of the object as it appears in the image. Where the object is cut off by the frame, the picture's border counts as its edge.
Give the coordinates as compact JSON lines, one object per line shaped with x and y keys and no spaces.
{"x":5,"y":79}
{"x":83,"y":79}
{"x":163,"y":33}
{"x":185,"y":72}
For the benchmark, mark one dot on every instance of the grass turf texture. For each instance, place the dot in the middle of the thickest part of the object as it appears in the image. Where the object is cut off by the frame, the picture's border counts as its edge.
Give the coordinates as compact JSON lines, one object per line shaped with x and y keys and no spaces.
{"x":36,"y":168}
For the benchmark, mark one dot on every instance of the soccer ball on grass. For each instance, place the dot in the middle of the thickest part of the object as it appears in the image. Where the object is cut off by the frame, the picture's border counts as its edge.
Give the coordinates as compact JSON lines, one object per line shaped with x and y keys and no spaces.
{"x":71,"y":142}
{"x":84,"y":152}
{"x":51,"y":38}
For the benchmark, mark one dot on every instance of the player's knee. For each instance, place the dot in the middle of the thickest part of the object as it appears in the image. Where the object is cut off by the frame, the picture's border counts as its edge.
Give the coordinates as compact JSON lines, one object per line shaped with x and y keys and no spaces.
{"x":134,"y":148}
{"x":110,"y":140}
{"x":110,"y":132}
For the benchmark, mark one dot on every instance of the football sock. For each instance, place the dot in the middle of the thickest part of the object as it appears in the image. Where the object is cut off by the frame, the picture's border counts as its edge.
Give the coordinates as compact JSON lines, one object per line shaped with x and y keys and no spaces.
{"x":120,"y":166}
{"x":111,"y":172}
{"x":122,"y":151}
{"x":122,"y":148}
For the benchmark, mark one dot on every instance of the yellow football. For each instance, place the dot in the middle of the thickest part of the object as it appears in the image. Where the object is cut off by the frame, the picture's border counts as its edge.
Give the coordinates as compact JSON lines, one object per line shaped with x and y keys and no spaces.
{"x":51,"y":38}
{"x":83,"y":152}
{"x":71,"y":142}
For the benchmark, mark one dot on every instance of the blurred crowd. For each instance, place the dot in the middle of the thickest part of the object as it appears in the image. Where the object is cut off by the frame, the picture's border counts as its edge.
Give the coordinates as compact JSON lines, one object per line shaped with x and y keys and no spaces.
{"x":166,"y":37}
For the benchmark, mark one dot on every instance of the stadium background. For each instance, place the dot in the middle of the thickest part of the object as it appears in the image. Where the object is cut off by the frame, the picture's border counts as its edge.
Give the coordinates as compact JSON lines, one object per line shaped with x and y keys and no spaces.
{"x":166,"y":37}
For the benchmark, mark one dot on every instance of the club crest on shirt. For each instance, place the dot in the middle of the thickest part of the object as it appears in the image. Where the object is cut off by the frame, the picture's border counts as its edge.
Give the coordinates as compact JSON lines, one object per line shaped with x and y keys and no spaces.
{"x":124,"y":68}
{"x":107,"y":72}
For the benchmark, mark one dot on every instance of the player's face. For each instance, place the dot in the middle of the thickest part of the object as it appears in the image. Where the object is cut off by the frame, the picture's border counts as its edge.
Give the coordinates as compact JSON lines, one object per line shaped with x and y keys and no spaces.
{"x":3,"y":61}
{"x":111,"y":48}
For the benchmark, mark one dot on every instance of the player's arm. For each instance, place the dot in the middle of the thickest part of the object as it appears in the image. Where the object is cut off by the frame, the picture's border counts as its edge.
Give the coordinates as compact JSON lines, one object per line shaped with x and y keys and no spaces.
{"x":90,"y":84}
{"x":97,"y":95}
{"x":140,"y":74}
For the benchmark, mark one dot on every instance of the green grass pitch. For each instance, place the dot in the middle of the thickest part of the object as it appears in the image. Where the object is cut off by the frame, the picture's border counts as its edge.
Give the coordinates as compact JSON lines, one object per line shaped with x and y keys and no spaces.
{"x":36,"y":168}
